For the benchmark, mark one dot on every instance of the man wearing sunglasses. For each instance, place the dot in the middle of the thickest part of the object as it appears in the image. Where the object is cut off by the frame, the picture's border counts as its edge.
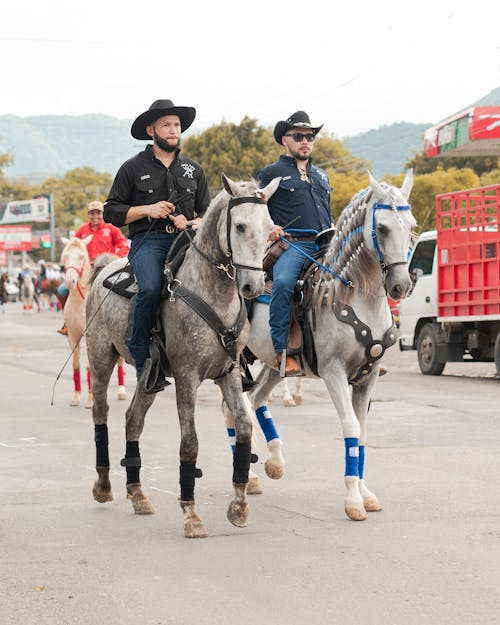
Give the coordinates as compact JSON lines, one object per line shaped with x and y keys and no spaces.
{"x":304,"y":198}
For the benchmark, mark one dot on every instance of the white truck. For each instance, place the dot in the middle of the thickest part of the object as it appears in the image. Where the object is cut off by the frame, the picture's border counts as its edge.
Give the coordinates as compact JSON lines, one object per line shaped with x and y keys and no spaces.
{"x":453,"y":313}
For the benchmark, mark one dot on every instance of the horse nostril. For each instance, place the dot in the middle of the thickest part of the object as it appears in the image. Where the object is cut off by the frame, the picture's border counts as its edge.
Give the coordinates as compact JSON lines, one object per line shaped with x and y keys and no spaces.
{"x":397,"y":291}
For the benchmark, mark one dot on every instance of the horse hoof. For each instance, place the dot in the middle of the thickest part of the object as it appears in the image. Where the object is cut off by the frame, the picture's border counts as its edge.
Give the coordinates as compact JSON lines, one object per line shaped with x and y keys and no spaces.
{"x":254,"y":487}
{"x":355,"y":511}
{"x":289,"y":402}
{"x":100,"y":495}
{"x":237,"y":514}
{"x":298,"y":400}
{"x":141,"y":505}
{"x":74,"y":402}
{"x":274,"y":471}
{"x":372,"y":504}
{"x":89,"y":404}
{"x":122,"y":394}
{"x":195,"y":529}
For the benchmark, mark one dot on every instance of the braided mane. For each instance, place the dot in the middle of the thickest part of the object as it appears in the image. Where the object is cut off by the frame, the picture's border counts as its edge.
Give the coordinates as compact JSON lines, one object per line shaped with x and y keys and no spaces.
{"x":348,"y":255}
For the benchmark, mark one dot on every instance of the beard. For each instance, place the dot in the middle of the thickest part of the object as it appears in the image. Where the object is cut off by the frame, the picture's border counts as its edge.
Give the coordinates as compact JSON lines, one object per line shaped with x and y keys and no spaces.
{"x":298,"y":155}
{"x":164,"y":145}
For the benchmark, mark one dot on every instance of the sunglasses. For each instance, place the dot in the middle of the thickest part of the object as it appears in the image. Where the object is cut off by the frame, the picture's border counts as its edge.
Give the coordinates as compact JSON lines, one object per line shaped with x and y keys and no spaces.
{"x":298,"y":136}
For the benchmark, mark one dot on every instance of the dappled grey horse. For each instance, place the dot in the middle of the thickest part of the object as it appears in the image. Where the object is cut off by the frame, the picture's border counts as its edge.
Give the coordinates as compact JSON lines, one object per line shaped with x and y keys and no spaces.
{"x":223,"y":265}
{"x":351,"y":325}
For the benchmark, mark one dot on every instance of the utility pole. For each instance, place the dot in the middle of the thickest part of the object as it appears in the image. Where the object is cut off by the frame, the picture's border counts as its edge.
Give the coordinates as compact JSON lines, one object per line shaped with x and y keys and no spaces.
{"x":52,"y":228}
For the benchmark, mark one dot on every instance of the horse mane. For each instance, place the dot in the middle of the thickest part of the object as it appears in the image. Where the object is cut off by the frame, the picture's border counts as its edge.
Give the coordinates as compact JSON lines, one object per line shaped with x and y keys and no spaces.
{"x":348,"y":255}
{"x":99,"y":263}
{"x":219,"y":203}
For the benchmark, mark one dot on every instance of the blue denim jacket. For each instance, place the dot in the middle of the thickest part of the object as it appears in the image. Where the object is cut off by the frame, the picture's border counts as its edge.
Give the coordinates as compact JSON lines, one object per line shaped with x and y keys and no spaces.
{"x":295,"y":197}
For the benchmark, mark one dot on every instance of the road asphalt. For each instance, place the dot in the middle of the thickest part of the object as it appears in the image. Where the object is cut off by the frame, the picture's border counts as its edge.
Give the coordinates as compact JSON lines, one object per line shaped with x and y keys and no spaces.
{"x":430,"y":557}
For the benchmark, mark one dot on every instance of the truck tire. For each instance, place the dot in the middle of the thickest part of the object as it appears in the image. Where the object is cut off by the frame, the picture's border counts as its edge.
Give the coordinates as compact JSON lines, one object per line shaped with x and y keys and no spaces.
{"x":427,"y":351}
{"x":497,"y":354}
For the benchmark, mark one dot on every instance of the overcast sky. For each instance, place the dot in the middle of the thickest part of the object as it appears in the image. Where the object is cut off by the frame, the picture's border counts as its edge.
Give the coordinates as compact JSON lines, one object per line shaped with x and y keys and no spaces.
{"x":352,"y":65}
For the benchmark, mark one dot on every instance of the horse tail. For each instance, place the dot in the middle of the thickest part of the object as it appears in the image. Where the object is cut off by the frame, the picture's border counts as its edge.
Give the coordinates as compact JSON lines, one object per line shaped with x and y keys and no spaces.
{"x":99,"y":263}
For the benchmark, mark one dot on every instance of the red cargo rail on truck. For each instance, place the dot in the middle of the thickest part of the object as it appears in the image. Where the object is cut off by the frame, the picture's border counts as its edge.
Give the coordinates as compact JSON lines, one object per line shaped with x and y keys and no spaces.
{"x":468,"y":242}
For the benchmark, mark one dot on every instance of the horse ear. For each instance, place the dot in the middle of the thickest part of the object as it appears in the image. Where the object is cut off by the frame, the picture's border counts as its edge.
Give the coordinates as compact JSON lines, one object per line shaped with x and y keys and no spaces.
{"x":407,"y":184}
{"x":64,"y":241}
{"x":228,"y":184}
{"x":271,"y":187}
{"x":87,"y":239}
{"x":375,"y":185}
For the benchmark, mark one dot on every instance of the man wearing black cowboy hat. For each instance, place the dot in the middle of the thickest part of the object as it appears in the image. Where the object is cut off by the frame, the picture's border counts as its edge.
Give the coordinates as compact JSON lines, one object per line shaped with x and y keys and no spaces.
{"x":157,"y":193}
{"x":304,"y":196}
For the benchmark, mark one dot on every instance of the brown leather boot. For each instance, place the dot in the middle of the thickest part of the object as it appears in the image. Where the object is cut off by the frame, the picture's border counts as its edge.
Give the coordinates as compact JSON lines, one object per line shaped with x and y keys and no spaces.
{"x":291,"y":366}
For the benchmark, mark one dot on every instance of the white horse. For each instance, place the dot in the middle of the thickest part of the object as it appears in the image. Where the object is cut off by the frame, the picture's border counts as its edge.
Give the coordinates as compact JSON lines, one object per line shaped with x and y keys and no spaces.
{"x":27,"y":293}
{"x":77,"y":269}
{"x":351,"y":325}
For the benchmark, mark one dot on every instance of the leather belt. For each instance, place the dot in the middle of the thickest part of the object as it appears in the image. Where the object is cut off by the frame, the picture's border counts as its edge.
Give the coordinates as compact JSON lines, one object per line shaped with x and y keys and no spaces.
{"x":308,"y":238}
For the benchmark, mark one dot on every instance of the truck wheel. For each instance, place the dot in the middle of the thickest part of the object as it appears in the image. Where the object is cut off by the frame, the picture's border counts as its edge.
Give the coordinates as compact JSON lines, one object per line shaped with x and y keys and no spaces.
{"x":427,"y":351}
{"x":497,"y":354}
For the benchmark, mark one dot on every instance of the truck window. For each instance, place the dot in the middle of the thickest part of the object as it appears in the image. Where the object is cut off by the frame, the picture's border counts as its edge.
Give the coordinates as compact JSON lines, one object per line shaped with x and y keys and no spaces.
{"x":423,"y":257}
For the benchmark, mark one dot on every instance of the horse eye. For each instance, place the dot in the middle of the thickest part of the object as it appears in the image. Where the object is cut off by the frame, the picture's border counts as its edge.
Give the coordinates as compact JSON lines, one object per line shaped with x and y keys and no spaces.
{"x":240,"y":227}
{"x":381,"y":229}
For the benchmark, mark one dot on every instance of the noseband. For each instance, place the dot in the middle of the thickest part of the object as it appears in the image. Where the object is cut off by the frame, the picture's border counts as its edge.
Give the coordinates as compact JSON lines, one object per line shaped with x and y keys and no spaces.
{"x":385,"y":267}
{"x":231,"y":266}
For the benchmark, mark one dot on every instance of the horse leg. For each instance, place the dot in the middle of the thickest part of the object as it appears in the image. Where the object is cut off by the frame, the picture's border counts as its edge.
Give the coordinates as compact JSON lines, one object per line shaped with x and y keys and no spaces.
{"x":338,"y":387}
{"x":135,"y":416}
{"x":297,"y":396}
{"x":188,"y":454}
{"x":266,"y":380}
{"x":77,"y":381}
{"x":100,"y":380}
{"x":360,"y":400}
{"x":230,"y":386}
{"x":90,"y":399}
{"x":288,"y":400}
{"x":122,"y":392}
{"x":254,"y":487}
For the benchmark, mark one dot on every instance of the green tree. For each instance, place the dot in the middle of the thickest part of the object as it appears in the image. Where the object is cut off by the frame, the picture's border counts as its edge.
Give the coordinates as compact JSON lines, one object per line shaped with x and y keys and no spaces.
{"x":421,"y":164}
{"x":73,"y":192}
{"x":238,"y":150}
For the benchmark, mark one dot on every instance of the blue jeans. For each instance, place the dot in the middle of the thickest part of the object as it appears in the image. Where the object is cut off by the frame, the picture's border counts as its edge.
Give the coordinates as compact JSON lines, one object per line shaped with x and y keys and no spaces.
{"x":147,"y":256}
{"x":285,"y":273}
{"x":62,"y":290}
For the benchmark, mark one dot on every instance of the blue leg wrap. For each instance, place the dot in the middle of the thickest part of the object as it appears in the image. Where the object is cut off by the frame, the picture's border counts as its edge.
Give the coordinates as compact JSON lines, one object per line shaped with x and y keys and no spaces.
{"x":266,"y":423}
{"x":351,"y":456}
{"x":361,"y":462}
{"x":231,"y":432}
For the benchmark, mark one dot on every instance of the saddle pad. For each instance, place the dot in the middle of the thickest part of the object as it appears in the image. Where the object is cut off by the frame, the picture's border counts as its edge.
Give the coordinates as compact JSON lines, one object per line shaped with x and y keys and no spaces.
{"x":122,"y":282}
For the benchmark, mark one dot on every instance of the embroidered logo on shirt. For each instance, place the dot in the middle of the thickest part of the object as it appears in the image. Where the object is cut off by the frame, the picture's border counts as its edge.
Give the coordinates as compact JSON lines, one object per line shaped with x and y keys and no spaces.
{"x":188,"y":169}
{"x":145,"y":177}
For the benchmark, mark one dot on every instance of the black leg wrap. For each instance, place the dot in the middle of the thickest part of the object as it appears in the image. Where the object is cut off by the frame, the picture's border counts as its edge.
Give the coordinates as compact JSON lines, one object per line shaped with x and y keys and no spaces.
{"x":132,"y":462}
{"x":187,"y":474}
{"x":101,"y":445}
{"x":241,"y":462}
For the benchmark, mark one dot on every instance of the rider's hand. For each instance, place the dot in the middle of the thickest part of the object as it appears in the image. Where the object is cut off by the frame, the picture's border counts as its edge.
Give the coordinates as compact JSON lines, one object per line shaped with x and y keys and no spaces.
{"x":276,"y":232}
{"x":179,"y":221}
{"x":160,"y":210}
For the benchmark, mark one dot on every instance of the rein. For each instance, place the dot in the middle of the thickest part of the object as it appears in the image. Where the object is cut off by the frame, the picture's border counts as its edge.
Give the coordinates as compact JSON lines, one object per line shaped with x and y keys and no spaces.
{"x":230,"y":267}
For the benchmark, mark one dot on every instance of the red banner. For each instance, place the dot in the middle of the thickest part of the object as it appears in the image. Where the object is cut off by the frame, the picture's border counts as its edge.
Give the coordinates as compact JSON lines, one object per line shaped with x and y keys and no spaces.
{"x":15,"y":238}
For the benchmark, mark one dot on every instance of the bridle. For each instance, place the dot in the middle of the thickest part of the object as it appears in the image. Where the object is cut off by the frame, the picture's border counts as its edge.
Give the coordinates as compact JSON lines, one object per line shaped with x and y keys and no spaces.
{"x":385,"y":267}
{"x":231,"y":266}
{"x":79,"y":273}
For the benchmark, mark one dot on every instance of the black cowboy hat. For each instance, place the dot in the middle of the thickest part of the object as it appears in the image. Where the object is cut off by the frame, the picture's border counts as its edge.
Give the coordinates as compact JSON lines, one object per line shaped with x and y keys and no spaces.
{"x":299,"y":119}
{"x":158,"y":109}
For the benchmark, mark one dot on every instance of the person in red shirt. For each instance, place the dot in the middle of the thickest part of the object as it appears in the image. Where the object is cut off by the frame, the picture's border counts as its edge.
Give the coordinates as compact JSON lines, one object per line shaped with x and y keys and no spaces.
{"x":106,"y":239}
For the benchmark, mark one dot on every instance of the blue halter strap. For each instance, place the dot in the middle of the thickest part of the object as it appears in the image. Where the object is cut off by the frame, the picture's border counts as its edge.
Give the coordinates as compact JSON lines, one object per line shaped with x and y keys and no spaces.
{"x":376,"y":206}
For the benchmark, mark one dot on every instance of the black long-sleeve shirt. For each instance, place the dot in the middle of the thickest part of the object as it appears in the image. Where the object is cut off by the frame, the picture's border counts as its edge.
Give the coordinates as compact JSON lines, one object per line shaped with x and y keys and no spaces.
{"x":144,"y":180}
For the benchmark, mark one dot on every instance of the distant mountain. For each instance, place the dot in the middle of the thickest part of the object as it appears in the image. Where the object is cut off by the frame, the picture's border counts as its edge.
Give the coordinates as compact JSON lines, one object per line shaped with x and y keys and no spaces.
{"x":50,"y":145}
{"x":388,"y":148}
